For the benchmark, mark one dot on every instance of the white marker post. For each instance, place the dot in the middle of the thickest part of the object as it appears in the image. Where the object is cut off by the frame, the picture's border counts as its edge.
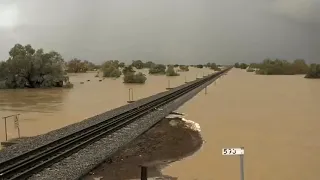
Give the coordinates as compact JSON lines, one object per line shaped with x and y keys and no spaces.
{"x":236,"y":152}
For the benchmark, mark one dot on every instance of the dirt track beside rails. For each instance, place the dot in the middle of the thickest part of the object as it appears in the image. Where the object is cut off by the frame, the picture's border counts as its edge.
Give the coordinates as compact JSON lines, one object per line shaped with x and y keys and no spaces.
{"x":168,"y":141}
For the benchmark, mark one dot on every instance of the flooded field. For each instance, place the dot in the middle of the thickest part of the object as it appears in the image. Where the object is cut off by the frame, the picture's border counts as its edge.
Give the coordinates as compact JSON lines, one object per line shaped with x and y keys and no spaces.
{"x":276,"y":119}
{"x":43,"y":110}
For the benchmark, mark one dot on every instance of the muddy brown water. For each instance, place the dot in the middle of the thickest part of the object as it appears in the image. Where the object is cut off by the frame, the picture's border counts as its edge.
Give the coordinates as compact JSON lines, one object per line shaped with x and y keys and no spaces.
{"x":43,"y":110}
{"x":276,"y":119}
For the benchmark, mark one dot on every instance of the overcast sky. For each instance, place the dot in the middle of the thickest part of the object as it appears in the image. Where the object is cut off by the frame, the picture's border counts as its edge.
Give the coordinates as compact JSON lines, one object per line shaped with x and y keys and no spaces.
{"x":168,"y":31}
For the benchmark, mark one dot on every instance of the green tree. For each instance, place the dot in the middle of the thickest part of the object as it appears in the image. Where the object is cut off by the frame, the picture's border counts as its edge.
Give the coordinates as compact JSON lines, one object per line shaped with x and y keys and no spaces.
{"x":111,"y":69}
{"x":122,"y":65}
{"x":184,"y":68}
{"x":131,"y":77}
{"x":128,"y":69}
{"x":300,"y":66}
{"x":148,"y":64}
{"x":30,"y":68}
{"x":157,"y":69}
{"x":77,"y":66}
{"x":243,"y":66}
{"x":237,"y":65}
{"x":313,"y":71}
{"x":176,"y":65}
{"x":137,"y":64}
{"x":171,"y":72}
{"x":199,"y":66}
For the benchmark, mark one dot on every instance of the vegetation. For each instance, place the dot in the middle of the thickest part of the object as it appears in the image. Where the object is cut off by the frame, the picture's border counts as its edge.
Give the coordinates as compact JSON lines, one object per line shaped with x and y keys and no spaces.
{"x":171,"y":72}
{"x":122,"y":65}
{"x":237,"y":65}
{"x":281,"y":67}
{"x":111,"y":69}
{"x":184,"y":68}
{"x":199,"y":66}
{"x":148,"y":64}
{"x":131,"y":77}
{"x":176,"y":65}
{"x":243,"y":66}
{"x":250,"y":70}
{"x":30,"y":68}
{"x":313,"y":71}
{"x":78,"y":66}
{"x":128,"y":69}
{"x":137,"y":64}
{"x":157,"y":69}
{"x":213,"y":66}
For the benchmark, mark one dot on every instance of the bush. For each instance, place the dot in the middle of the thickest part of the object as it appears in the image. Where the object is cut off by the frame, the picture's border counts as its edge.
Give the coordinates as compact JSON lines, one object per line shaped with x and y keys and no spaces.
{"x":237,"y":65}
{"x":137,"y":64}
{"x":128,"y":69}
{"x":111,"y":69}
{"x":148,"y":64}
{"x":313,"y":71}
{"x":250,"y":70}
{"x":157,"y":69}
{"x":111,"y":72}
{"x":171,"y":72}
{"x":199,"y":66}
{"x":243,"y":66}
{"x":282,"y":67}
{"x":30,"y":68}
{"x":184,"y":68}
{"x":130,"y":77}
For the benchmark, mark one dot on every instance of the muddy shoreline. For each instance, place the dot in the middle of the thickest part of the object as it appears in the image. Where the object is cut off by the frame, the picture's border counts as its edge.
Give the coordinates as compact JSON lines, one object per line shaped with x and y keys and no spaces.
{"x":168,"y":141}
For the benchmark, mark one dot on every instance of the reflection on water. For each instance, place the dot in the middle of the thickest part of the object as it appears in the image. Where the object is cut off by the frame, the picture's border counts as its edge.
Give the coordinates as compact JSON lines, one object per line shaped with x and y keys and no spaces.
{"x":43,"y":110}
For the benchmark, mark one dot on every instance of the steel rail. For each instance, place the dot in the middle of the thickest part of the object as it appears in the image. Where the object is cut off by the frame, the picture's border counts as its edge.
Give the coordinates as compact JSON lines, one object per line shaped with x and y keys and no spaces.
{"x":25,"y":165}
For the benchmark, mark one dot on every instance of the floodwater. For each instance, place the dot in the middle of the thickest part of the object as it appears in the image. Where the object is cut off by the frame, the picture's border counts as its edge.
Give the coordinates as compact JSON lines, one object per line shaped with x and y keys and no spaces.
{"x":275,"y":118}
{"x":43,"y":110}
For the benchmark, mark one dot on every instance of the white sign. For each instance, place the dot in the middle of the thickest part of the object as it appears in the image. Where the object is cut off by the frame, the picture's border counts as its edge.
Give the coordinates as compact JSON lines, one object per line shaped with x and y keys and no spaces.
{"x":232,"y":151}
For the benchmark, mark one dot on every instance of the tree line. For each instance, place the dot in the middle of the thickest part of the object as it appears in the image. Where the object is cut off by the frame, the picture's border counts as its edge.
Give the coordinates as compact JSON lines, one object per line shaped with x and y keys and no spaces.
{"x":27,"y":67}
{"x":282,"y":67}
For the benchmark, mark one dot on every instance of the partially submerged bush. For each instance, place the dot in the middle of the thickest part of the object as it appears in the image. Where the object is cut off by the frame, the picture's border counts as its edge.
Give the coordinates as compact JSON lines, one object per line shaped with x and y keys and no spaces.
{"x":30,"y":68}
{"x":137,"y":64}
{"x":313,"y":71}
{"x":148,"y":64}
{"x":282,"y":67}
{"x":128,"y":69}
{"x":250,"y":70}
{"x":171,"y":72}
{"x":111,"y":69}
{"x":184,"y":68}
{"x":157,"y":69}
{"x":243,"y":66}
{"x":130,"y":77}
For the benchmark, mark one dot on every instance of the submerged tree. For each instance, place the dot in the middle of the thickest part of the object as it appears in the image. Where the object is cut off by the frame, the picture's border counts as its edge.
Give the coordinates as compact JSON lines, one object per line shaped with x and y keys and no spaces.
{"x":313,"y":71}
{"x":128,"y":69}
{"x":77,"y":66}
{"x":171,"y":72}
{"x":184,"y":68}
{"x":157,"y":69}
{"x":137,"y":64}
{"x":30,"y":68}
{"x":131,"y":77}
{"x":111,"y":69}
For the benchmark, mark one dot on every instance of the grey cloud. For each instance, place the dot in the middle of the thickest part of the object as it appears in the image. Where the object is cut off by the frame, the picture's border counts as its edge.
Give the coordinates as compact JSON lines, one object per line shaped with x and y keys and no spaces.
{"x":183,"y":31}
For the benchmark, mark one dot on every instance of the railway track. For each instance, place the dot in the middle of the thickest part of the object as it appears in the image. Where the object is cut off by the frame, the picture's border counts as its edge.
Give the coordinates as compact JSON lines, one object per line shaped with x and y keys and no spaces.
{"x":33,"y":161}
